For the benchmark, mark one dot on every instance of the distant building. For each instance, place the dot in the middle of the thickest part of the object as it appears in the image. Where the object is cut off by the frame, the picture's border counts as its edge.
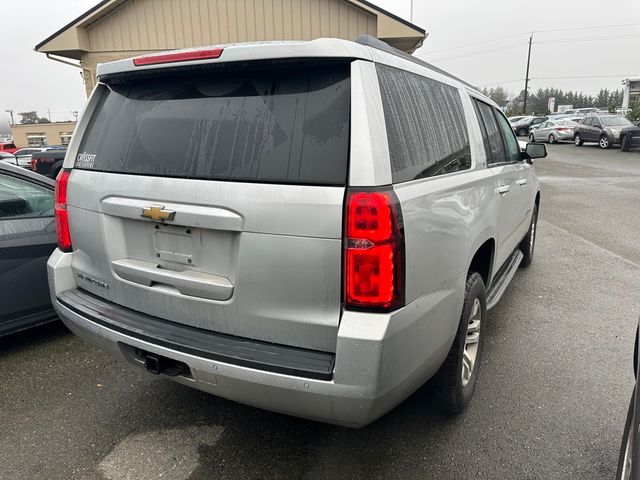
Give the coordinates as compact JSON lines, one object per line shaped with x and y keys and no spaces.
{"x":631,"y":91}
{"x":116,"y":29}
{"x":42,"y":134}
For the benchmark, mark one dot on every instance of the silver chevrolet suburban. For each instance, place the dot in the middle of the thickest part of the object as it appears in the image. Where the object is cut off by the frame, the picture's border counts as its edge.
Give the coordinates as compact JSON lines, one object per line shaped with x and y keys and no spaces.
{"x":314,"y":228}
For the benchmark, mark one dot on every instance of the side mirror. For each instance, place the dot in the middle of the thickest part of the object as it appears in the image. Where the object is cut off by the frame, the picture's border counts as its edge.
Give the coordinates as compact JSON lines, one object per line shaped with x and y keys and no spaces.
{"x":536,"y":150}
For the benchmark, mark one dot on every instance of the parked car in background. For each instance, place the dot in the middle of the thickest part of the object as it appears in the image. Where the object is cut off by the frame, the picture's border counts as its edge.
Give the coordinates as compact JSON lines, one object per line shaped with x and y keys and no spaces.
{"x":27,"y":238}
{"x":586,"y":111}
{"x":337,"y":319}
{"x":23,"y":155}
{"x":628,"y":461}
{"x":513,"y":120}
{"x":48,"y":162}
{"x":8,"y":147}
{"x":8,"y":157}
{"x":602,"y":129}
{"x":629,"y":138}
{"x":553,"y":131}
{"x":521,"y":128}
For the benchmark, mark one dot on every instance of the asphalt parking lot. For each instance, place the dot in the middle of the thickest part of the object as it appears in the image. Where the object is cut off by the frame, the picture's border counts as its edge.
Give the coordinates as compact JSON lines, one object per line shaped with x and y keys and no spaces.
{"x":550,"y":402}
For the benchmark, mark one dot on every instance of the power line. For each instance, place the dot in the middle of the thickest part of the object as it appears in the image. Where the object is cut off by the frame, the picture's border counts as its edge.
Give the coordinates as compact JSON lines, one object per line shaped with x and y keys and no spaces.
{"x":621,"y":75}
{"x":476,"y":43}
{"x":481,"y":52}
{"x":586,"y":39}
{"x":588,"y":28}
{"x":535,"y":31}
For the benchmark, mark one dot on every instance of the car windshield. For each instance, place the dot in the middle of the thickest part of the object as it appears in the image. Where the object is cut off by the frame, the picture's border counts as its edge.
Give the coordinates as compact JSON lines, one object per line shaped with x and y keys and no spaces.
{"x":569,"y":123}
{"x":615,"y":121}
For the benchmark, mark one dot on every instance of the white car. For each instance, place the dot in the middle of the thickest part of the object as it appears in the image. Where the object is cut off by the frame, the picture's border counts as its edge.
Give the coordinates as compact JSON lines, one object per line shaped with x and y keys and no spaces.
{"x":8,"y":157}
{"x":23,"y":155}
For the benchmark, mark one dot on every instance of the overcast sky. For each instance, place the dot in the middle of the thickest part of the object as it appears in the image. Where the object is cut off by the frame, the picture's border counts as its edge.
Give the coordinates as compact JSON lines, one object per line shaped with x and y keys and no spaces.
{"x":29,"y":81}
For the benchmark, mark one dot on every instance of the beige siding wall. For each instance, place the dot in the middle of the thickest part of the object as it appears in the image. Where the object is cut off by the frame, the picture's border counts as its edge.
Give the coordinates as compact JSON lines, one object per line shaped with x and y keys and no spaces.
{"x":144,"y":25}
{"x":53,"y":133}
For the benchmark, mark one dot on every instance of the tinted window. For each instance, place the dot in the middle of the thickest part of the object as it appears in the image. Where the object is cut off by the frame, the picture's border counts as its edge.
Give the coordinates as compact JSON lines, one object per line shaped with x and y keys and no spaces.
{"x":510,"y":141}
{"x":426,"y":127}
{"x":22,"y":199}
{"x":587,"y":121}
{"x":271,"y":124}
{"x":493,"y":142}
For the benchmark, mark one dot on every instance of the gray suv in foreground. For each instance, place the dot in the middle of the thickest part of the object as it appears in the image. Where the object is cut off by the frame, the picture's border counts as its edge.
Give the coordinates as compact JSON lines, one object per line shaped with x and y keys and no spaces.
{"x":315,"y":228}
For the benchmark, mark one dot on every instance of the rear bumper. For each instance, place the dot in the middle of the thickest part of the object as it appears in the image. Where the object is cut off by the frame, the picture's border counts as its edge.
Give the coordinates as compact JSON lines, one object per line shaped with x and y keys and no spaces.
{"x":380,"y":359}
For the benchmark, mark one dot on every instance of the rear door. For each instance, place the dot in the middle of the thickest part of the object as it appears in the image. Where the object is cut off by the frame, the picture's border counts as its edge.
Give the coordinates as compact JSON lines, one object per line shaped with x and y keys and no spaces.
{"x":586,"y":130}
{"x":213,"y":197}
{"x":541,"y":133}
{"x":507,"y":173}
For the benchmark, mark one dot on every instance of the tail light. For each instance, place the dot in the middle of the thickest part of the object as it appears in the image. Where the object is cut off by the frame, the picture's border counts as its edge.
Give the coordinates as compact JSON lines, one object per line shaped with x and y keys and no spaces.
{"x":562,"y":129}
{"x":60,"y":209}
{"x":374,"y":251}
{"x":34,"y":164}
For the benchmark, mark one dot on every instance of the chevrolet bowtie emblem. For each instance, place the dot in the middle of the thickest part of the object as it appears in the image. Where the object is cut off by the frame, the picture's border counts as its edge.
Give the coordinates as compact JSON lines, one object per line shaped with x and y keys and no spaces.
{"x":157,"y":213}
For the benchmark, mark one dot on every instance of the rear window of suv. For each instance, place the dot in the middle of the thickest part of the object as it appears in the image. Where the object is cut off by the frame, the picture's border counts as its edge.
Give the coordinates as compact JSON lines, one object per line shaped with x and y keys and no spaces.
{"x":277,"y":124}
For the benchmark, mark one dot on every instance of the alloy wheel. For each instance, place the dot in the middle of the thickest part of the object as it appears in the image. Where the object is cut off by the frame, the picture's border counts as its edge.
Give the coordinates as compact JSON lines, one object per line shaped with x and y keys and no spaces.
{"x":471,"y":342}
{"x":604,"y":142}
{"x":552,"y":139}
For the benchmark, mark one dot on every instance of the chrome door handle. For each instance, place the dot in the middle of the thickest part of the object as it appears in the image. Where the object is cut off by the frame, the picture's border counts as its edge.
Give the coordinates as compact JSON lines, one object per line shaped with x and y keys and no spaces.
{"x":503,"y":189}
{"x":522,"y":182}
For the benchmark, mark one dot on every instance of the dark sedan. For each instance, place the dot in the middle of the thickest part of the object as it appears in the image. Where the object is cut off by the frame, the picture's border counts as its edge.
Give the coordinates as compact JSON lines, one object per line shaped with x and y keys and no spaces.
{"x":629,"y":138}
{"x":521,"y":127}
{"x":27,"y":238}
{"x":603,"y":129}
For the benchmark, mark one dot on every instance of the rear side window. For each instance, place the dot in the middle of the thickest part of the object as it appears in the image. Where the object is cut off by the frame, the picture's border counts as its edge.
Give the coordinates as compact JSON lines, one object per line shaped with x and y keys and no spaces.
{"x":278,"y":124}
{"x":426,"y":126}
{"x":491,"y":133}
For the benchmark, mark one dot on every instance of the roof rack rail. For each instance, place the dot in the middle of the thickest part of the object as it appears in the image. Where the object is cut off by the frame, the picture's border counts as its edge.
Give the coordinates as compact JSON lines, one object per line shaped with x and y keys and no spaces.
{"x":373,"y":42}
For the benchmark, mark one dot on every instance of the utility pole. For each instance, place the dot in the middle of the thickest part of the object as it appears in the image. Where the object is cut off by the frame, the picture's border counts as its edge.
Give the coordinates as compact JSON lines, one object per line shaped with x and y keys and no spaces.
{"x":526,"y":80}
{"x":10,"y":112}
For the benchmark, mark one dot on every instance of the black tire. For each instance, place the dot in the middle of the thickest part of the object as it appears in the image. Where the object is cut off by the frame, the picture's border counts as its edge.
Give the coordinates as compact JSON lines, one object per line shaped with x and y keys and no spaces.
{"x":552,"y":139}
{"x":532,"y":138}
{"x":624,"y":143}
{"x":522,"y":132}
{"x":577,"y":140}
{"x":527,"y":246}
{"x":453,"y":396}
{"x":625,"y":438}
{"x":604,"y":142}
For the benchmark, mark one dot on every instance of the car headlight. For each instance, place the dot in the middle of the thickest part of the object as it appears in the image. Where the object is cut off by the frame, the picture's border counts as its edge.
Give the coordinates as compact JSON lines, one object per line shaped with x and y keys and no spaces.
{"x":615,"y":132}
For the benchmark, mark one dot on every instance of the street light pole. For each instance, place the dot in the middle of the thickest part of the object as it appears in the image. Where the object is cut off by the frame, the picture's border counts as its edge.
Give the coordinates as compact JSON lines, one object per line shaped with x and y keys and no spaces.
{"x":526,"y":81}
{"x":10,"y":112}
{"x":411,"y":12}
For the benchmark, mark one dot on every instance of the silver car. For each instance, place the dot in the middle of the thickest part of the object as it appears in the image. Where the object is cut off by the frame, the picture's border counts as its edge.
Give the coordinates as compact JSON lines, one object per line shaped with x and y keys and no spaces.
{"x":315,"y":228}
{"x":553,"y":131}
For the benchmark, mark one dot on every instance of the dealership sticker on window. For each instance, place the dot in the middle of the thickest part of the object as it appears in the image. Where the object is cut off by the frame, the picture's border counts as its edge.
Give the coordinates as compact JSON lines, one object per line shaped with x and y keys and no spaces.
{"x":85,"y":160}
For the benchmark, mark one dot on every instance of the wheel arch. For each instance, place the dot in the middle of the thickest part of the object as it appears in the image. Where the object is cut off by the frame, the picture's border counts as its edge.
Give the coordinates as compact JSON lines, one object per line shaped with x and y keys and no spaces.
{"x":482,"y":259}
